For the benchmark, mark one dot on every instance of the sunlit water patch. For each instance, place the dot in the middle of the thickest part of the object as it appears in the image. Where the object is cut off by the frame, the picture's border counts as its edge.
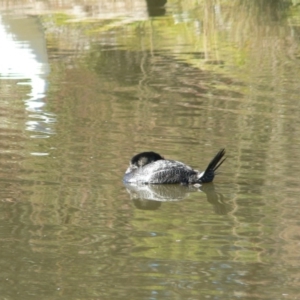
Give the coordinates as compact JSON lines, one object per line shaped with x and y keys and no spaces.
{"x":24,"y":61}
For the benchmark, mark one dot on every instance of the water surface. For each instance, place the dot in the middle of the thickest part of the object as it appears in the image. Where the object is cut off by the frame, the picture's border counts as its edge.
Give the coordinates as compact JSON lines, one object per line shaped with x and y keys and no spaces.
{"x":183,"y":81}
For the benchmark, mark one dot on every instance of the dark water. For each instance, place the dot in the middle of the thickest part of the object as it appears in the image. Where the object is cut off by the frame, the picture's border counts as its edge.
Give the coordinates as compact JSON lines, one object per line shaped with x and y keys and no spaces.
{"x":83,"y":90}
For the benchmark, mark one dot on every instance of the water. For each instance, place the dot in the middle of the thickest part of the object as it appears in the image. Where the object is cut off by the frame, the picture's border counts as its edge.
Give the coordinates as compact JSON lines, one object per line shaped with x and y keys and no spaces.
{"x":96,"y":85}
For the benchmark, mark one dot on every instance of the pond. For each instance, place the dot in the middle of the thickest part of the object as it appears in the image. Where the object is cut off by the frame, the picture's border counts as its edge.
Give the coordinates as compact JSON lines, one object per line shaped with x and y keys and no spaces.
{"x":85,"y":87}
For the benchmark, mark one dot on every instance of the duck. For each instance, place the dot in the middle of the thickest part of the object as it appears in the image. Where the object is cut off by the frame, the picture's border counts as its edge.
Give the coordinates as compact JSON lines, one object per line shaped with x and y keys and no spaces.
{"x":152,"y":168}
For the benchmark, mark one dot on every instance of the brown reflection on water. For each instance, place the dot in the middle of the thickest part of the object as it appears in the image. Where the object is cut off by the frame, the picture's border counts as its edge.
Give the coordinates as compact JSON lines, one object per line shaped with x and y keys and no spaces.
{"x":68,"y":226}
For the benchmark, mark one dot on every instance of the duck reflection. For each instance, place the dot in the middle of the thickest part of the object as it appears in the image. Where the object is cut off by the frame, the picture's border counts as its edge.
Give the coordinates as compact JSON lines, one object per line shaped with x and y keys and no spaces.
{"x":150,"y":197}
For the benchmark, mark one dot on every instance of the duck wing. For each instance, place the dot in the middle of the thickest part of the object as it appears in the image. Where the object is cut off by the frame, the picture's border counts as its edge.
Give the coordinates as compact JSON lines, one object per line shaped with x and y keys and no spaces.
{"x":161,"y":171}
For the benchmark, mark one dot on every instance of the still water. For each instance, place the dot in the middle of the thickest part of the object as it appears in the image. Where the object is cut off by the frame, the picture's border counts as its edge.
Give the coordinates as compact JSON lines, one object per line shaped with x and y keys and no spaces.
{"x":85,"y":87}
